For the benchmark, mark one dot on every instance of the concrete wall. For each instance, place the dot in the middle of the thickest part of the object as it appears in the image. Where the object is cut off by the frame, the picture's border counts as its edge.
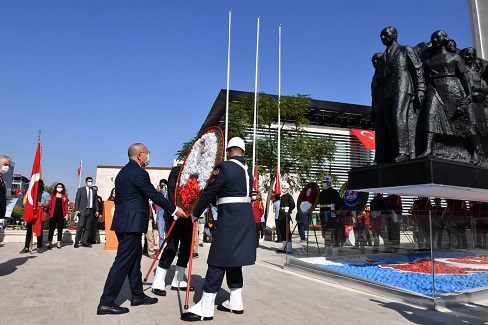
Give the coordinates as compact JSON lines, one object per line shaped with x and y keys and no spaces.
{"x":106,"y":175}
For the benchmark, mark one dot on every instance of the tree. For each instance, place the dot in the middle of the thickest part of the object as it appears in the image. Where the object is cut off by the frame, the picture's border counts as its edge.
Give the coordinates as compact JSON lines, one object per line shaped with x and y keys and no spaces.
{"x":303,"y":158}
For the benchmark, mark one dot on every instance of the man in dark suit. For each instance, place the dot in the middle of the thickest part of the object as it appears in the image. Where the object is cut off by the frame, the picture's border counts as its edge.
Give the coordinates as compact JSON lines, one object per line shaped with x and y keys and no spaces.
{"x":4,"y":167}
{"x":400,"y":78}
{"x":86,"y":208}
{"x":234,"y":241}
{"x":131,"y":217}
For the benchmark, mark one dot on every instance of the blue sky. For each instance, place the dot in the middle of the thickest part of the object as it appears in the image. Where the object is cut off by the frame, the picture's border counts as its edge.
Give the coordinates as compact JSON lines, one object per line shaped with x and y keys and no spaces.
{"x":98,"y":75}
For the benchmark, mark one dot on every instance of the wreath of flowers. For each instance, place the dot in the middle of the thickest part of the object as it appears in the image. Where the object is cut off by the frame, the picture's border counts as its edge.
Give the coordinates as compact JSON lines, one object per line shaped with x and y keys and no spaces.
{"x":197,"y":168}
{"x":353,"y":200}
{"x":308,"y":198}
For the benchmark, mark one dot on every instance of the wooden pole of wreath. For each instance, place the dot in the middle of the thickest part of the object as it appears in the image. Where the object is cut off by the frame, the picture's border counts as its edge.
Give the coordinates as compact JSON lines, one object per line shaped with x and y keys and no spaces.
{"x":160,"y":250}
{"x":190,"y":265}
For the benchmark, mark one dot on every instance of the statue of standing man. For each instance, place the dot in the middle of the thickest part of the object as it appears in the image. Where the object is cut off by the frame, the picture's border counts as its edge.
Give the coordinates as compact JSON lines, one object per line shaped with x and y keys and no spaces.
{"x":400,"y":79}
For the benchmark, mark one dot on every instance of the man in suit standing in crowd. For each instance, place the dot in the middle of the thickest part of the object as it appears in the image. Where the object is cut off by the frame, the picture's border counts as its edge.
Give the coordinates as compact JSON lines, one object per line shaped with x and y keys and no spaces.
{"x":4,"y":167}
{"x":86,"y":208}
{"x":131,"y":217}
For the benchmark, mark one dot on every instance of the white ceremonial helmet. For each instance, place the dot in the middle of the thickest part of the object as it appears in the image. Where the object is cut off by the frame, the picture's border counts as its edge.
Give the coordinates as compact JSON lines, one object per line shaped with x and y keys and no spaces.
{"x":236,"y":142}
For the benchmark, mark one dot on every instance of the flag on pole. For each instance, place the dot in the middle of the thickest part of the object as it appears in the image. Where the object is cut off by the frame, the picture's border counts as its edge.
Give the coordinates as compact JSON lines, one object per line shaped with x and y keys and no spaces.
{"x":80,"y":166}
{"x":277,"y":184}
{"x":32,"y":212}
{"x":255,"y":184}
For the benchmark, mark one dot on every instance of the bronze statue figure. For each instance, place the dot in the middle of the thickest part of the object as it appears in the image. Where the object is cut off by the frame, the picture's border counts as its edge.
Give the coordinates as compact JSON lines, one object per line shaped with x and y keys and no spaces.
{"x":448,"y":96}
{"x":400,"y":79}
{"x":430,"y":99}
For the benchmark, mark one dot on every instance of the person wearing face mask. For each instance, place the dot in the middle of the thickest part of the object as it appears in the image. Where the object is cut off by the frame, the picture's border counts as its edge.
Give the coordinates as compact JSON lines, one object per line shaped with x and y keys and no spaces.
{"x":58,"y":213}
{"x":44,"y":200}
{"x":330,"y":201}
{"x":258,"y":210}
{"x":234,"y":242}
{"x":131,"y":217}
{"x":287,"y":204}
{"x":4,"y":168}
{"x":163,"y":188}
{"x":86,"y":207}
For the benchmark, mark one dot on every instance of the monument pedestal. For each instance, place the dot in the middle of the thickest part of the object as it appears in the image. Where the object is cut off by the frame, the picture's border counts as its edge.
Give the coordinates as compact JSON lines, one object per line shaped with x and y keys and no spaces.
{"x":426,"y":176}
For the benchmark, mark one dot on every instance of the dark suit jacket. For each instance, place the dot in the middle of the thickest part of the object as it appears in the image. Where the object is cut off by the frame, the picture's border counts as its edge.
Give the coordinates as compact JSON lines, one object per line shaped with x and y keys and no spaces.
{"x":134,"y":189}
{"x":403,"y":71}
{"x":81,"y":200}
{"x":3,"y":199}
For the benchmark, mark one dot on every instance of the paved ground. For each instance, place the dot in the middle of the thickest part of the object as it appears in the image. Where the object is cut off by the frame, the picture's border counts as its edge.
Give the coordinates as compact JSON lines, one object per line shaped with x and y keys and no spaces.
{"x":63,"y":287}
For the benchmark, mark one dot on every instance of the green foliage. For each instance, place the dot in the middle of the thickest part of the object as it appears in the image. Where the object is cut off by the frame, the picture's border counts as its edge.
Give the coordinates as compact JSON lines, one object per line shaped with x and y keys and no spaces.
{"x":18,"y":212}
{"x":299,"y":152}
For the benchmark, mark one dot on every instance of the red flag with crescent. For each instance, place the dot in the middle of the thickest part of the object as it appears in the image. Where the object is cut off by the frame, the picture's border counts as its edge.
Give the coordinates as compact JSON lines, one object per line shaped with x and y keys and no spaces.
{"x":277,"y":184}
{"x":32,"y":212}
{"x":367,"y":138}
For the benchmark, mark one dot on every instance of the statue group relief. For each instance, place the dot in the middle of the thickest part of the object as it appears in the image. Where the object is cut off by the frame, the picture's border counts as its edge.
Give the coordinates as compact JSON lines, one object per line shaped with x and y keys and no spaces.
{"x":429,"y":100}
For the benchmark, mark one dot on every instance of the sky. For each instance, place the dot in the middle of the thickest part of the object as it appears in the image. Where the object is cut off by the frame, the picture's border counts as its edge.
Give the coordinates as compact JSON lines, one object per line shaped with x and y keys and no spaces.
{"x":97,"y":75}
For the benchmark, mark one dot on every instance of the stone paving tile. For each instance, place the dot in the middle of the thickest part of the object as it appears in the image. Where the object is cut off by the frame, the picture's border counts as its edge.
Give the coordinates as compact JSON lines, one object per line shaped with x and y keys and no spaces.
{"x":64,"y":286}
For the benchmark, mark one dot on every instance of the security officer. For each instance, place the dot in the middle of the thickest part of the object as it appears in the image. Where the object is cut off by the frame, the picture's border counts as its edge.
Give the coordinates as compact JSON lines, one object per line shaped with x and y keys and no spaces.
{"x":330,"y":201}
{"x":179,"y":240}
{"x":287,"y":204}
{"x":234,"y":241}
{"x":420,"y":211}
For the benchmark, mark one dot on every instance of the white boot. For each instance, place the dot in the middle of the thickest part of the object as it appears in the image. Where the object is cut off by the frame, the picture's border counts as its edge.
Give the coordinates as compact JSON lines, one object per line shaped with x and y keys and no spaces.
{"x":179,"y":279}
{"x":289,"y":248}
{"x":234,"y":304}
{"x":203,"y":310}
{"x":282,"y":249}
{"x":158,"y":282}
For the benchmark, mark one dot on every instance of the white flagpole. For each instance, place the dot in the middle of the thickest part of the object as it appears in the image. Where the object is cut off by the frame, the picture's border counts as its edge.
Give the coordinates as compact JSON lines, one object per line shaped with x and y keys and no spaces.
{"x":228,"y":86}
{"x":279,"y":99}
{"x":255,"y":100}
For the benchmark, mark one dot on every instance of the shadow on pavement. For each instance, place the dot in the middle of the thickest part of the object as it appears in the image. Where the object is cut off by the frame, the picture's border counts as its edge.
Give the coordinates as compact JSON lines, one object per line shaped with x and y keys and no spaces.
{"x":458,"y":315}
{"x":10,"y":267}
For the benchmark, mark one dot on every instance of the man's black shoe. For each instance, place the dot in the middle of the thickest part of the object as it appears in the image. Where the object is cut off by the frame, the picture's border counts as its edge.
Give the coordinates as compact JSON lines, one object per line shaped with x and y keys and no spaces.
{"x":159,"y":292}
{"x":143,"y":301}
{"x":113,"y":309}
{"x":77,"y":245}
{"x":86,"y":245}
{"x":223,"y":308}
{"x":191,"y":317}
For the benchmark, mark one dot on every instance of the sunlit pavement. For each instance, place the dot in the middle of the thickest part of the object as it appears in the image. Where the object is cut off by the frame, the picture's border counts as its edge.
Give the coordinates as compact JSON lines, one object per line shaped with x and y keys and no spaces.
{"x":63,"y":286}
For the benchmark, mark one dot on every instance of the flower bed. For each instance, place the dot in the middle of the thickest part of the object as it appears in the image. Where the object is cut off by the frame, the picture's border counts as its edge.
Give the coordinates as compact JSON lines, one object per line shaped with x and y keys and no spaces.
{"x":413,"y":271}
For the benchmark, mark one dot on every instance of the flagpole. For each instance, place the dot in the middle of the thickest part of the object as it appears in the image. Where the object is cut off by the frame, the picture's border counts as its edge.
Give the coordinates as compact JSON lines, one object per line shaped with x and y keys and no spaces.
{"x":255,"y":99}
{"x":228,"y":86}
{"x":279,"y":99}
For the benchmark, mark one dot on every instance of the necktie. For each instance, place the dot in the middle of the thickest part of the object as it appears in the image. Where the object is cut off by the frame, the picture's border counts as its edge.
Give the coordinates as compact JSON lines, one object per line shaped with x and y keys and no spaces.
{"x":1,"y":181}
{"x":89,"y":198}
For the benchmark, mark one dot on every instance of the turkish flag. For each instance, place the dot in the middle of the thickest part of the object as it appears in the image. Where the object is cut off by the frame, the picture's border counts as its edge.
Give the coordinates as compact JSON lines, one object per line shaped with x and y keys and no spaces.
{"x":255,"y":184}
{"x":79,"y":167}
{"x":367,"y":138}
{"x":32,"y":212}
{"x":277,"y":184}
